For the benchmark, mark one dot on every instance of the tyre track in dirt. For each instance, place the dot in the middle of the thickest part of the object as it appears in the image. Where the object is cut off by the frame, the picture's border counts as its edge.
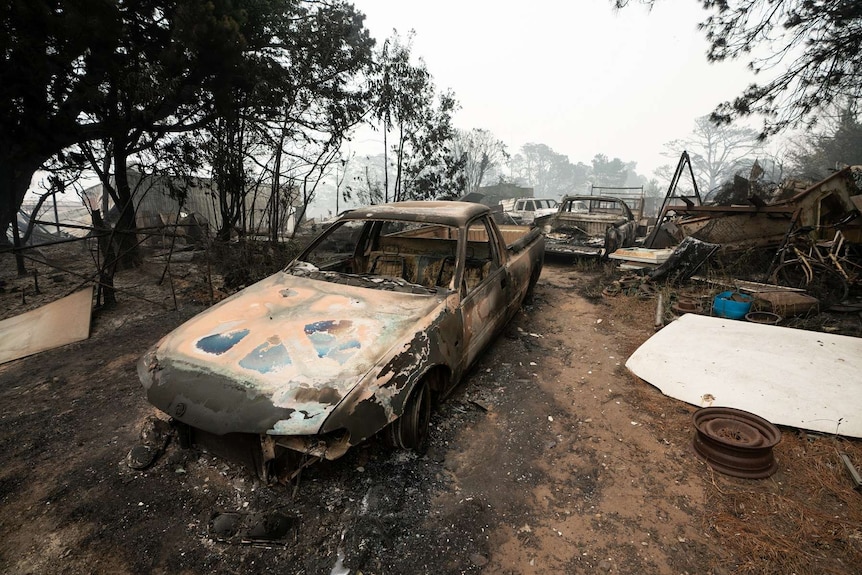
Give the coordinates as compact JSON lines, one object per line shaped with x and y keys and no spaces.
{"x":570,"y":442}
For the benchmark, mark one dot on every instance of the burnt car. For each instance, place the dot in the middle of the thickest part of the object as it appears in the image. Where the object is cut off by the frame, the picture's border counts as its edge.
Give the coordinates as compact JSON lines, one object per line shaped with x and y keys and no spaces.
{"x":381,"y":314}
{"x":593,"y":226}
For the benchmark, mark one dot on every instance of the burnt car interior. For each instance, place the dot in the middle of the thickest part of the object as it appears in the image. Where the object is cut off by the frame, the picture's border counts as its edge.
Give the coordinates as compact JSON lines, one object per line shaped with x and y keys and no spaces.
{"x":398,"y":256}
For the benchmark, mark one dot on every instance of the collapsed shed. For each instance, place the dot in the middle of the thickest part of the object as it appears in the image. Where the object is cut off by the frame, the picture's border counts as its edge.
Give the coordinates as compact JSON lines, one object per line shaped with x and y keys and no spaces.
{"x":826,"y":206}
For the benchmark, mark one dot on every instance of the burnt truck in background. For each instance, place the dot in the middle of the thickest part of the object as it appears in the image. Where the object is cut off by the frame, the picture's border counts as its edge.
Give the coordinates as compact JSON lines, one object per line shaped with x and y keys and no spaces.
{"x":525,"y":210}
{"x":594,"y":226}
{"x":381,"y":314}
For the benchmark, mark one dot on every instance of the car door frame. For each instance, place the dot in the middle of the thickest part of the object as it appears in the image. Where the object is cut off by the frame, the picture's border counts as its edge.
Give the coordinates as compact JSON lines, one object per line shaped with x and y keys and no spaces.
{"x":483,"y":308}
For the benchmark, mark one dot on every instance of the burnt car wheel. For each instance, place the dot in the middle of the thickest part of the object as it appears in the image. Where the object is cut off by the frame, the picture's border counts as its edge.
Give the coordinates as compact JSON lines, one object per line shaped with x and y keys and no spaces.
{"x":410,"y":431}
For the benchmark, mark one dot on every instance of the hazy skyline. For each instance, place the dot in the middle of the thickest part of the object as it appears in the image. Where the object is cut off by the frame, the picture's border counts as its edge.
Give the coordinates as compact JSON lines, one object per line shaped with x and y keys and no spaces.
{"x":579,"y":77}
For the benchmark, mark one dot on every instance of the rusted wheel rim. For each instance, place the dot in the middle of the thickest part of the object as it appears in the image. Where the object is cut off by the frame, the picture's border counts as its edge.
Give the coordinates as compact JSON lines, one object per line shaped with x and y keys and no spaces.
{"x":735,"y":442}
{"x":686,"y":305}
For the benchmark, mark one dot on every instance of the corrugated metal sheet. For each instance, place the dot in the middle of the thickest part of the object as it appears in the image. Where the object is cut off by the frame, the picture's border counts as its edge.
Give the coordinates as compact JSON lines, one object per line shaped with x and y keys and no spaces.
{"x":154,"y":205}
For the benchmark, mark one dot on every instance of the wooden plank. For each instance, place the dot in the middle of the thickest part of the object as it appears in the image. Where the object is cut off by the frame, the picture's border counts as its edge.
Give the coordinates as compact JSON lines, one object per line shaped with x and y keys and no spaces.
{"x":642,"y":255}
{"x":792,"y":377}
{"x":634,"y":266}
{"x":745,"y":286}
{"x":64,"y":321}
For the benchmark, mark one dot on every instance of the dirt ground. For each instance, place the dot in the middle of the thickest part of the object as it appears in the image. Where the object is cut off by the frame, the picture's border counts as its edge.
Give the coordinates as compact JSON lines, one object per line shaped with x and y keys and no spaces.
{"x":550,"y":459}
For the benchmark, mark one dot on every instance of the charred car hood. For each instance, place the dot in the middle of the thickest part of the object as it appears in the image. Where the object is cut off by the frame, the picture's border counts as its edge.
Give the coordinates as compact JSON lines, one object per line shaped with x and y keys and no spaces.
{"x":279,"y":356}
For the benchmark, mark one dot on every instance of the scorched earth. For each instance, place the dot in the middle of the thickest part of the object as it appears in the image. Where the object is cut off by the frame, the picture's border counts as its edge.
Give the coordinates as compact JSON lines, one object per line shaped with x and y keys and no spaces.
{"x":551,"y":458}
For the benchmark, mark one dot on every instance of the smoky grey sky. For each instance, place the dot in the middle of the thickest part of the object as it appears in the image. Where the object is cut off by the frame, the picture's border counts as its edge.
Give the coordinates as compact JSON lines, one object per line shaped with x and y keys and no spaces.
{"x":577,"y":76}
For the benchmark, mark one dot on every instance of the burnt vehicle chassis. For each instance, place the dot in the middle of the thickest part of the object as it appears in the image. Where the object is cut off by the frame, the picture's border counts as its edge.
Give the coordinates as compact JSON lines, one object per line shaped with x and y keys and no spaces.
{"x":592,"y":226}
{"x":356,"y":337}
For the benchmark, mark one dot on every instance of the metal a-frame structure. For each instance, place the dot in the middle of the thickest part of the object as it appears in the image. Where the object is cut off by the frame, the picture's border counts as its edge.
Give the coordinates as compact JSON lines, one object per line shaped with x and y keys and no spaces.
{"x":670,"y":199}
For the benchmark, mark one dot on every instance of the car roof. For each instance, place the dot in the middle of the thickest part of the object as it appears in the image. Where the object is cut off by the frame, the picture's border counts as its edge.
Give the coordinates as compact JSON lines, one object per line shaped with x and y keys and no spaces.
{"x":434,"y":212}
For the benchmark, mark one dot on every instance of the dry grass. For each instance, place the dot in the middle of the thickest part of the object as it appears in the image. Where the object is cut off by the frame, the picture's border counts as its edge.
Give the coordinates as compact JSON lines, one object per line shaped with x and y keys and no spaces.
{"x":806,"y":518}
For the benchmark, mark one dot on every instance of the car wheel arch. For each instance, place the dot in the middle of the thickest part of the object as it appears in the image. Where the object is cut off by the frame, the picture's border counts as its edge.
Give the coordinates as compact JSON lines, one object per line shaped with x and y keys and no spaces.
{"x":410,"y":428}
{"x":438,"y":377}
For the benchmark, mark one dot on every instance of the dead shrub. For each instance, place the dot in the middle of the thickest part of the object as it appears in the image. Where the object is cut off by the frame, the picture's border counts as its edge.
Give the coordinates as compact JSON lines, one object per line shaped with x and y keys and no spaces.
{"x":246,"y":262}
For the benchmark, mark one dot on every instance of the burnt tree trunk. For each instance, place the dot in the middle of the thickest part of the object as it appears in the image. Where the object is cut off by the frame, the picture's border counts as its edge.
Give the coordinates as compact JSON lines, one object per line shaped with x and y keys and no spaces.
{"x":15,"y":177}
{"x":105,"y":294}
{"x":128,"y":252}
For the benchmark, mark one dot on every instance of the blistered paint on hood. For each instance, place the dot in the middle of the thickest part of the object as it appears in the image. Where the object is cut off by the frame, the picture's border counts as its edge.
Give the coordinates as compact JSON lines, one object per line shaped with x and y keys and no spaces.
{"x":298,"y":343}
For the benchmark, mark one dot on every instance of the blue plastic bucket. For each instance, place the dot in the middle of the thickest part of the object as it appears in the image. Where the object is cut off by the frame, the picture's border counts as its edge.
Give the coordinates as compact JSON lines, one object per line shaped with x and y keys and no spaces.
{"x":731,"y":304}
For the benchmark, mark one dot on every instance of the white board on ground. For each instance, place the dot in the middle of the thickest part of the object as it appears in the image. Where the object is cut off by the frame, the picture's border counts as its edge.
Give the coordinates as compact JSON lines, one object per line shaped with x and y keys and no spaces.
{"x":66,"y":320}
{"x":791,"y":377}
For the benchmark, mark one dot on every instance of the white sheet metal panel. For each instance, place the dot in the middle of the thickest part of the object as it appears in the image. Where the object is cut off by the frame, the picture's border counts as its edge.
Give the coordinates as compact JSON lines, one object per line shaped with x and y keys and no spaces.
{"x":66,"y":320}
{"x":791,"y":377}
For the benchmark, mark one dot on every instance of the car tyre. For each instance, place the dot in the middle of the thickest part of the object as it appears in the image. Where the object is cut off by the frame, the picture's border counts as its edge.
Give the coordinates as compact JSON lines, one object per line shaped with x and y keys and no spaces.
{"x":410,"y":431}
